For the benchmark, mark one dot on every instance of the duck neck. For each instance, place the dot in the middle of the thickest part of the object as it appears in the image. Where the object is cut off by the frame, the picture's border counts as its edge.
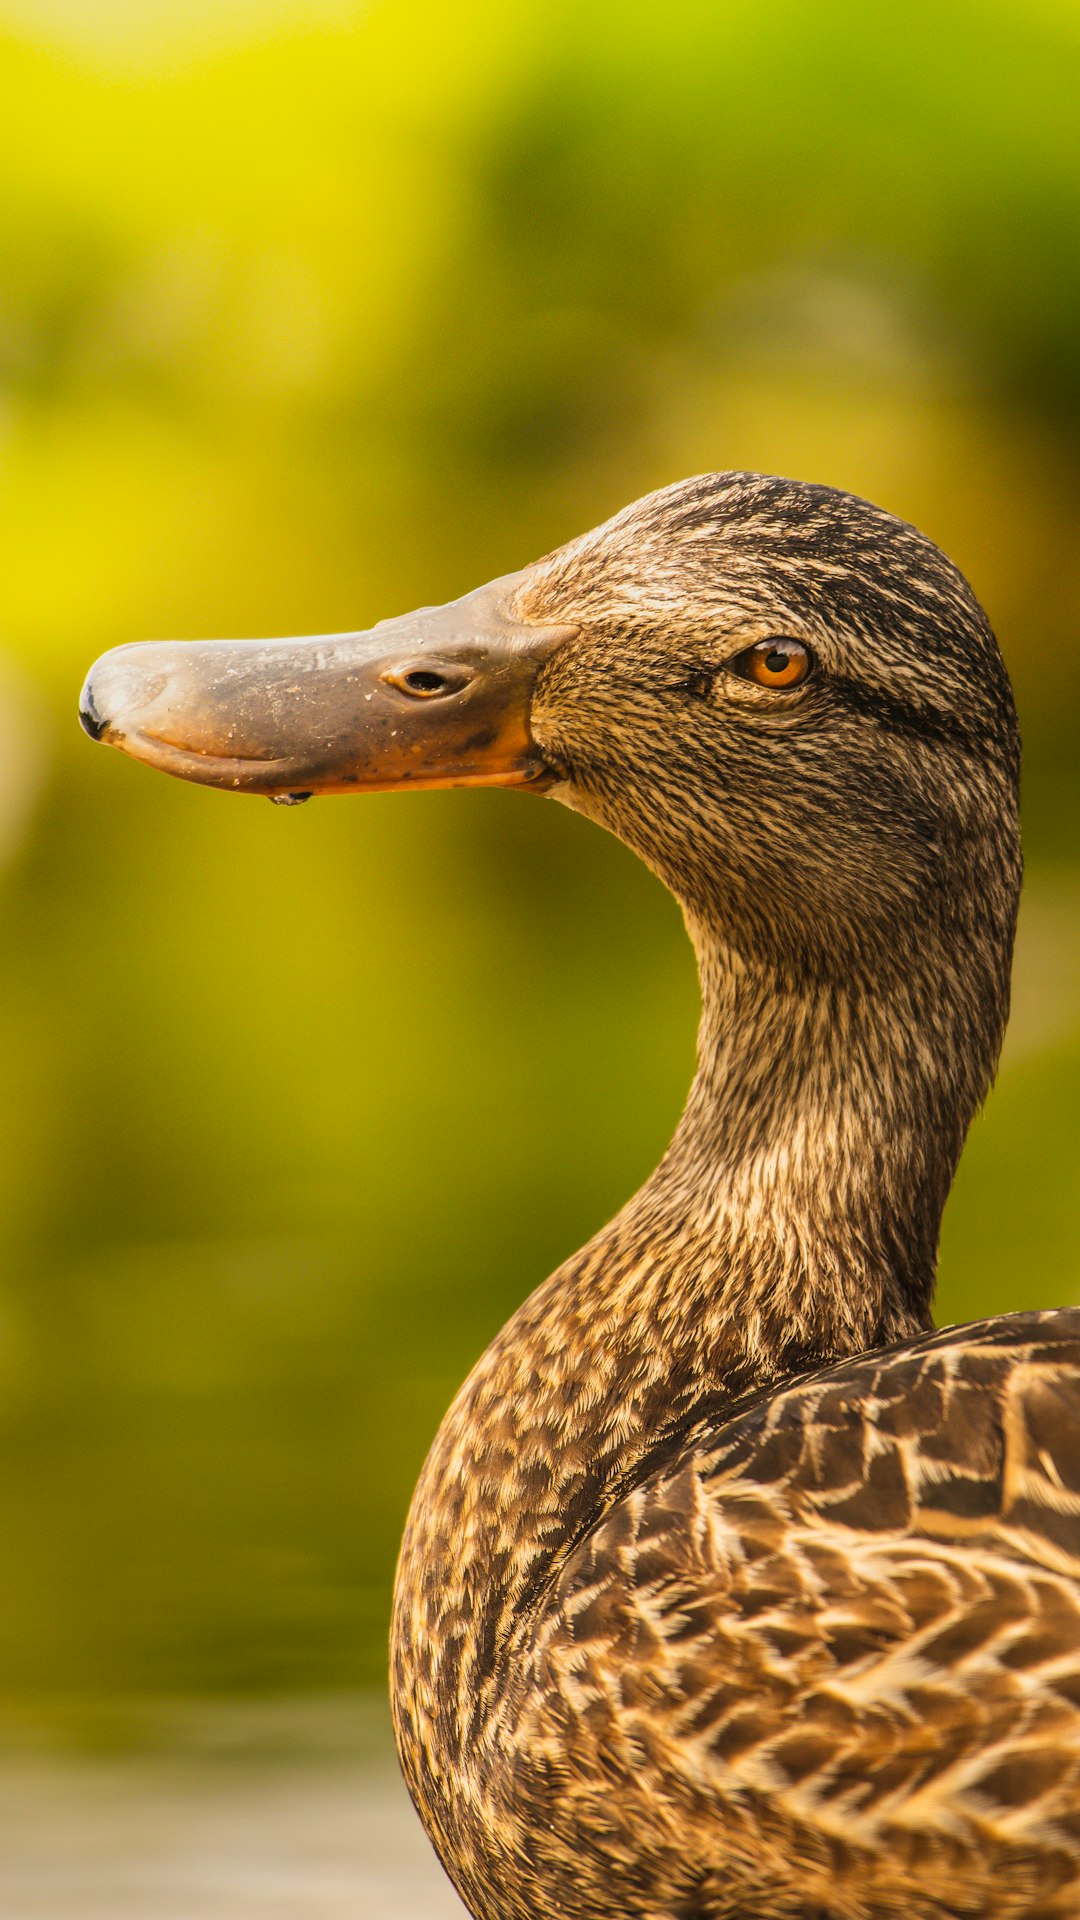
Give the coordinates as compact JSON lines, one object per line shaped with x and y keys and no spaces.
{"x":793,"y":1220}
{"x":809,"y":1171}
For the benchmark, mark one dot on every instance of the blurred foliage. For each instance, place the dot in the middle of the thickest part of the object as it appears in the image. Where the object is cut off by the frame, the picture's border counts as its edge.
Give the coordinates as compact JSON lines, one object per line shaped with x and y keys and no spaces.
{"x":310,"y":315}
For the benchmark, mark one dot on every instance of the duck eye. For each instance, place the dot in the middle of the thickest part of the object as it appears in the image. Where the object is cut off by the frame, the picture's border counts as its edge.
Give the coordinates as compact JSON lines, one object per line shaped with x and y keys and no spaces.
{"x":776,"y":662}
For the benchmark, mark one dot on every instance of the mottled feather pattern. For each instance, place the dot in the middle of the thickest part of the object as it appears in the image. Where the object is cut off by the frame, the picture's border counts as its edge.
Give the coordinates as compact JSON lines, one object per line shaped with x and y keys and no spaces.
{"x":729,"y":1588}
{"x":851,"y":1617}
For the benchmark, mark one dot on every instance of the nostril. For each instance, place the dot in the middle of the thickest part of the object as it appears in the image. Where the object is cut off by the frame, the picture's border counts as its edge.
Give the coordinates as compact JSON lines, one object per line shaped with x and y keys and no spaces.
{"x":425,"y":682}
{"x":90,"y":719}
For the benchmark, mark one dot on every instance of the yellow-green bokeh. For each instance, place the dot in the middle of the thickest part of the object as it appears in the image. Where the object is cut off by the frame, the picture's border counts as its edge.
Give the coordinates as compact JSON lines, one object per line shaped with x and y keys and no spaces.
{"x":309,"y":315}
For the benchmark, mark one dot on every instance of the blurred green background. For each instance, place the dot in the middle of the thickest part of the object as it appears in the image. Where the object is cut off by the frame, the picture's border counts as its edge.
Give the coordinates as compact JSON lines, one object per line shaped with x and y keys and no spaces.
{"x":309,"y":315}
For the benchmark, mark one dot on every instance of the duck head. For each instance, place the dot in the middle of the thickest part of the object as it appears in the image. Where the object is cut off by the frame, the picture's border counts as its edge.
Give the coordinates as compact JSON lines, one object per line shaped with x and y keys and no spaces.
{"x":788,"y":702}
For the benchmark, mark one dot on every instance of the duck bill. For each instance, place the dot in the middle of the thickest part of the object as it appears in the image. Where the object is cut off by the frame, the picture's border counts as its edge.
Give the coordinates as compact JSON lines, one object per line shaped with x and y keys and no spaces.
{"x":438,"y":698}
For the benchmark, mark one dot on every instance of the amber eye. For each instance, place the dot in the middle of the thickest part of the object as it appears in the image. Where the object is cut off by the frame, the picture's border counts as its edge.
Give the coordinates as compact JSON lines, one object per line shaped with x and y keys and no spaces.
{"x":777,"y":662}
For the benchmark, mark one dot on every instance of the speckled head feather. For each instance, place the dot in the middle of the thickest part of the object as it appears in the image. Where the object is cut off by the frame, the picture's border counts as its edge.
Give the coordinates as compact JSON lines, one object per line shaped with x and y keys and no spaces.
{"x":804,"y":819}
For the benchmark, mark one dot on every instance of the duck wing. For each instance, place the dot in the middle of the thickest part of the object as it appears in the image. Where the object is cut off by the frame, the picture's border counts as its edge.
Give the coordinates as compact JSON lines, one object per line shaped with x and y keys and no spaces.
{"x":826,"y":1660}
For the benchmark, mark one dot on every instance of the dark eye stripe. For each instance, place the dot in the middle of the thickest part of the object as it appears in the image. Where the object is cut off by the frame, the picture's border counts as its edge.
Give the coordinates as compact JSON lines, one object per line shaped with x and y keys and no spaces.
{"x":902,"y":717}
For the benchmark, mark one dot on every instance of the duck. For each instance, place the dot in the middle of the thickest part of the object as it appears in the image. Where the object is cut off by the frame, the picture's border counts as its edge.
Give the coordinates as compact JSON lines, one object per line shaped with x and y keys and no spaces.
{"x":730,"y":1586}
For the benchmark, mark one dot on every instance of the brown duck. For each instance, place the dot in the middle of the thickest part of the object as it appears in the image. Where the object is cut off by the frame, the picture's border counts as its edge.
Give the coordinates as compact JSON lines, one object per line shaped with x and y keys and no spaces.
{"x":729,"y":1587}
